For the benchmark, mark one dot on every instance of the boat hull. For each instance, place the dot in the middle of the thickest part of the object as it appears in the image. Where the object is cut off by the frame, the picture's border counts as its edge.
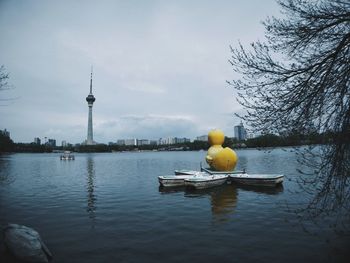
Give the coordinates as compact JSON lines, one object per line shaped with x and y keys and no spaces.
{"x":206,"y":182}
{"x":257,"y":180}
{"x":168,"y":182}
{"x":206,"y":170}
{"x":66,"y":158}
{"x":178,"y":180}
{"x":185,"y":172}
{"x":209,"y":171}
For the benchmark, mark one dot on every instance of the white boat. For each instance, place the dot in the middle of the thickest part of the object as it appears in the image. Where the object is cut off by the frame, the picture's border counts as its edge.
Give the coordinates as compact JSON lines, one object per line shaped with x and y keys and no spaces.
{"x":257,"y":179}
{"x":185,"y":172}
{"x":207,"y":170}
{"x":201,"y":182}
{"x":67,"y":155}
{"x":178,"y":180}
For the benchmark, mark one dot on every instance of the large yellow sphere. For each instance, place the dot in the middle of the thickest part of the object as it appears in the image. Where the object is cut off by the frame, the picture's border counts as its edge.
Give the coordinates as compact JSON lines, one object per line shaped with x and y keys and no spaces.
{"x":225,"y":160}
{"x":216,"y":137}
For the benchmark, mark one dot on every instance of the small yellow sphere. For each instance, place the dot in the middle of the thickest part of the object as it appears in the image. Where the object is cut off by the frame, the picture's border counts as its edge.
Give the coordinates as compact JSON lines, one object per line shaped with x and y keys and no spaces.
{"x":216,"y":137}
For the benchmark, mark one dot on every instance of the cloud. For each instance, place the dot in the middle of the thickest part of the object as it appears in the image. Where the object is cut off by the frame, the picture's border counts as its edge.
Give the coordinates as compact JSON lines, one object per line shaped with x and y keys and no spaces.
{"x":159,"y":67}
{"x":145,"y":87}
{"x":147,"y":126}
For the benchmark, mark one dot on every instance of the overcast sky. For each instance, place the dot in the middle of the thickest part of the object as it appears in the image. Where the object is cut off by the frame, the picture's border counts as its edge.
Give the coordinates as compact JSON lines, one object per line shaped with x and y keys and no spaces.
{"x":160,"y":67}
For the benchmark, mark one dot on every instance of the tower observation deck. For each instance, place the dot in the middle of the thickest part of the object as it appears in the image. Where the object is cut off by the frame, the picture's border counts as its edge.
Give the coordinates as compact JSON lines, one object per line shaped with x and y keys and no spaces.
{"x":90,"y":100}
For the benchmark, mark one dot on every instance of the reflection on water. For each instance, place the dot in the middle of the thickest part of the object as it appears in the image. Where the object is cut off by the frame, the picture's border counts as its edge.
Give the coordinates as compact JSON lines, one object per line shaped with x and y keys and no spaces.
{"x":107,"y":208}
{"x":262,"y":189}
{"x":90,"y":187}
{"x":5,"y":166}
{"x":171,"y":190}
{"x":223,"y":199}
{"x":223,"y":202}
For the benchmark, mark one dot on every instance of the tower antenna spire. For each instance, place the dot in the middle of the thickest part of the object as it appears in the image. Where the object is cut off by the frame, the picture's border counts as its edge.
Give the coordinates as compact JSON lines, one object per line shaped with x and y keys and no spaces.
{"x":91,"y":80}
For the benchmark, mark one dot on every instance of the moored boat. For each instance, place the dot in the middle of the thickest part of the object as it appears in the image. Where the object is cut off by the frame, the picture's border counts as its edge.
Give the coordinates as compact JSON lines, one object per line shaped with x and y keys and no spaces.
{"x":185,"y":172}
{"x":172,"y":180}
{"x":178,"y":180}
{"x":257,"y":179}
{"x":202,"y":182}
{"x":210,"y":171}
{"x":207,"y":170}
{"x":67,"y":155}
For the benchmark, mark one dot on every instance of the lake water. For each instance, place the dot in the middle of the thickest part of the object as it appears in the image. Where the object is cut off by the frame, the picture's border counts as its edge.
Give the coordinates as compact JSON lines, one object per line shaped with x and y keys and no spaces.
{"x":109,"y":208}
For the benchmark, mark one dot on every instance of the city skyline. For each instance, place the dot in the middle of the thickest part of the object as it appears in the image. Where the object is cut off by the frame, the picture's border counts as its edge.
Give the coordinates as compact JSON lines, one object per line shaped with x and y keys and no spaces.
{"x":135,"y":141}
{"x":162,"y":67}
{"x":167,"y":140}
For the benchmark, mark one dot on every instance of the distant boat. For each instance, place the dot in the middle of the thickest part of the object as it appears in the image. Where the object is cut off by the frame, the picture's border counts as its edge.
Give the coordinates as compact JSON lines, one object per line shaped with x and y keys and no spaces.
{"x":257,"y":179}
{"x":67,"y":156}
{"x":202,"y":182}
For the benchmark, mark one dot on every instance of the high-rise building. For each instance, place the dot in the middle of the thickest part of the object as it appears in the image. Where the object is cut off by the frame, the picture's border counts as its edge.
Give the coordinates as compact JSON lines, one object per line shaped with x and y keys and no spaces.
{"x":240,"y":132}
{"x":37,"y":141}
{"x":203,"y":138}
{"x":172,"y":140}
{"x":142,"y":142}
{"x":51,"y":142}
{"x":5,"y":133}
{"x":121,"y":142}
{"x":153,"y":142}
{"x":90,"y":100}
{"x":181,"y":140}
{"x":131,"y":142}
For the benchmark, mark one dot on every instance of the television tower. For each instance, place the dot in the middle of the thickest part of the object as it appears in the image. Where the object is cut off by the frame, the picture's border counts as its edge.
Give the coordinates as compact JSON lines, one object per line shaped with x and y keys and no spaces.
{"x":90,"y":100}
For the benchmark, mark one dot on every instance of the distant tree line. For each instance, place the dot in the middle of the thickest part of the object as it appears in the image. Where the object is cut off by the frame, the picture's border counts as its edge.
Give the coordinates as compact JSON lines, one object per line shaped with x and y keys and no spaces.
{"x":266,"y":140}
{"x":6,"y":144}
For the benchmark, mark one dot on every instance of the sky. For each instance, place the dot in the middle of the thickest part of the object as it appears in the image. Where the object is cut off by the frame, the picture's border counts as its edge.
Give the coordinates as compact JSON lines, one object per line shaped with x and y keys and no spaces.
{"x":159,"y":67}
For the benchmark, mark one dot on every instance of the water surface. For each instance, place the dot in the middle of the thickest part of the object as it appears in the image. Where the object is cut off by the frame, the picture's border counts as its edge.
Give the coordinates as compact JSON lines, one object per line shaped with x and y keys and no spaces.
{"x":109,"y":208}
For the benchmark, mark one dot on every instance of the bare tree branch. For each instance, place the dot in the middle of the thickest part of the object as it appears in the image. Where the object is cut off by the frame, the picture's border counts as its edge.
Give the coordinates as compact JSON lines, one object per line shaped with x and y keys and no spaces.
{"x":300,"y":79}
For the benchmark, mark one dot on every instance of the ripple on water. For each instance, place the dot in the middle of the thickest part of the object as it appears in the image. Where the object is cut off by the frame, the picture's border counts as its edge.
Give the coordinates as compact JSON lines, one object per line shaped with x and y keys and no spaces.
{"x":109,"y":207}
